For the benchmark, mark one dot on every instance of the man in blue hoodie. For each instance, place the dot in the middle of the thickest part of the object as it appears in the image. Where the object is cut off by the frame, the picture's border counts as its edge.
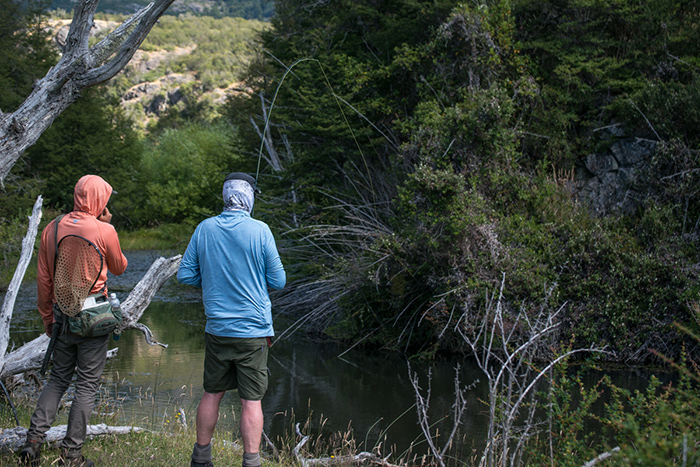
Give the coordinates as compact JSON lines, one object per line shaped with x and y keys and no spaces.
{"x":234,"y":259}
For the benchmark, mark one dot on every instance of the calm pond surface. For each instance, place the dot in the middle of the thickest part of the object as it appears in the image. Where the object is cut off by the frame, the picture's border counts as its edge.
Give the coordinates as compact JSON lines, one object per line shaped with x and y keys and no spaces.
{"x":368,"y":392}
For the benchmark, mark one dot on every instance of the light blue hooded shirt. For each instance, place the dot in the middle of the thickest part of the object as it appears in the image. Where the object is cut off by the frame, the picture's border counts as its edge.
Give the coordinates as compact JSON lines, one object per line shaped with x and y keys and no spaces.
{"x":234,"y":259}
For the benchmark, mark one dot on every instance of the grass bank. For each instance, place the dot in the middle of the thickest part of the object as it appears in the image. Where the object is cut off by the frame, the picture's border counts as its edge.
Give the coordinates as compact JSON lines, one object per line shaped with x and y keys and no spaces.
{"x":163,"y":237}
{"x":152,"y":448}
{"x":140,"y":449}
{"x":167,"y":440}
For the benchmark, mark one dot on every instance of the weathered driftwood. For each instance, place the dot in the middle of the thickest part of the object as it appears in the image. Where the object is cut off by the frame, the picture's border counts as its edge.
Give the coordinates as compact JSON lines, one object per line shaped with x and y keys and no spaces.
{"x":31,"y":355}
{"x":13,"y":438}
{"x":80,"y":67}
{"x":11,"y":295}
{"x":26,"y":358}
{"x":602,"y":457}
{"x":362,"y":458}
{"x":135,"y":304}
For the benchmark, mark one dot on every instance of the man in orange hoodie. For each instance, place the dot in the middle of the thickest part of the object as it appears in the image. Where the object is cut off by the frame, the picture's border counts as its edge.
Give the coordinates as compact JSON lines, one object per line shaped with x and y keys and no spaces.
{"x":89,"y":219}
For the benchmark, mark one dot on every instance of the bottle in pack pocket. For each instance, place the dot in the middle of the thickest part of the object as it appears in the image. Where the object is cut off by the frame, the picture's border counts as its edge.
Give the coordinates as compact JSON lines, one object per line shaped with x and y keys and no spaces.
{"x":117,"y":310}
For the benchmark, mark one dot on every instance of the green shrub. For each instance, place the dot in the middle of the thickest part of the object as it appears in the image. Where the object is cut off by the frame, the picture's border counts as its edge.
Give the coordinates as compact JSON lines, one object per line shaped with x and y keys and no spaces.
{"x":183,"y":172}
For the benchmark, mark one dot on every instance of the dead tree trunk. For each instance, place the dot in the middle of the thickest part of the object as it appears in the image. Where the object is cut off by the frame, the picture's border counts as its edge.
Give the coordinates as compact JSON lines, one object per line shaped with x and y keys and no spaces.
{"x":79,"y":67}
{"x":11,"y":295}
{"x":31,"y":355}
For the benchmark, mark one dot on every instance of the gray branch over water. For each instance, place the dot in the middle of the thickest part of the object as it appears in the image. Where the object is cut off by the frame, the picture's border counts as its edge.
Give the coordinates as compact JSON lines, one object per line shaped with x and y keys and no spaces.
{"x":136,"y":303}
{"x":31,"y":355}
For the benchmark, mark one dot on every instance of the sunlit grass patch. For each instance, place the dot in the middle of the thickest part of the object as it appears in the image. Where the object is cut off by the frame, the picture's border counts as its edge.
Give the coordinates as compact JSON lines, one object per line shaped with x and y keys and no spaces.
{"x":163,"y":237}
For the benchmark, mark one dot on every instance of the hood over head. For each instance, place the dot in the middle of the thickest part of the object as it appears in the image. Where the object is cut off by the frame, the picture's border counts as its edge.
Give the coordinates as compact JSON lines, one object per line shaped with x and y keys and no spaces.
{"x":91,"y":194}
{"x":239,"y":192}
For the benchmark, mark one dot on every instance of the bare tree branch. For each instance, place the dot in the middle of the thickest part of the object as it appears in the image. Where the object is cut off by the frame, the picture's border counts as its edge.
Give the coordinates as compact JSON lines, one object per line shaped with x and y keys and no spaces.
{"x":423,"y":405}
{"x":31,"y":355}
{"x":507,"y":347}
{"x":601,"y":457}
{"x":80,"y":67}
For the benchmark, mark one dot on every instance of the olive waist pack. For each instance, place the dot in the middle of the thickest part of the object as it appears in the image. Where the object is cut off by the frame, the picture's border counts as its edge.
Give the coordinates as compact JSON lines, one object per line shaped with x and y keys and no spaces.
{"x":96,"y":318}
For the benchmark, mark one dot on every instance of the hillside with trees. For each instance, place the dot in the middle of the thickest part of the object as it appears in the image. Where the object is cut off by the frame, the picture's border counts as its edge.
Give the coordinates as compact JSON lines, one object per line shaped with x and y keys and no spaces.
{"x":178,"y":79}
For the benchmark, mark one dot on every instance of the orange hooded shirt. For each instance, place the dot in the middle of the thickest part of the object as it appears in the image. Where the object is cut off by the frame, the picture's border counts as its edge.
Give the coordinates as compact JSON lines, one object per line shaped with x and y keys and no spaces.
{"x":91,"y":195}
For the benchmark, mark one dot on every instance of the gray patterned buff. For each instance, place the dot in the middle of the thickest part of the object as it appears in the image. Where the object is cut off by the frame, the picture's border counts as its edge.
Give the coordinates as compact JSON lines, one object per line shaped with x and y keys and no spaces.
{"x":238,"y":195}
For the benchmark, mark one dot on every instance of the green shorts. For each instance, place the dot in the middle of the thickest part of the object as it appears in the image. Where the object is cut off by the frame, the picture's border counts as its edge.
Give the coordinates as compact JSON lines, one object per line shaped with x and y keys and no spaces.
{"x":232,"y":362}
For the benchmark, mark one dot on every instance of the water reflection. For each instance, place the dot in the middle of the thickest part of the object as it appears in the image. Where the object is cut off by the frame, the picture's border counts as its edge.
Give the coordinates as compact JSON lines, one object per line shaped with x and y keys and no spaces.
{"x":369,"y":392}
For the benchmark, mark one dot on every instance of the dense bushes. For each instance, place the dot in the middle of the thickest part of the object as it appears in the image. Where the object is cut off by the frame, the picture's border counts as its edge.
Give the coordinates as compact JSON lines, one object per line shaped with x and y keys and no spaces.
{"x":419,"y":146}
{"x":182,"y":172}
{"x":474,"y":112}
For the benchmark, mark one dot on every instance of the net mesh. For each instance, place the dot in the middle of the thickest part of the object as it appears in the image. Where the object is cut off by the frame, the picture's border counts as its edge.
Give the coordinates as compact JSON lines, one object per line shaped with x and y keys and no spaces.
{"x":78,"y":266}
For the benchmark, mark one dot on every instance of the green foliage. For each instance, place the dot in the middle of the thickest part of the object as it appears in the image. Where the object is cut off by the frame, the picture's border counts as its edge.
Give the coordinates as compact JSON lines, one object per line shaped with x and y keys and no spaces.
{"x":90,"y":137}
{"x":182,"y":173}
{"x":353,"y":45}
{"x":220,"y":46}
{"x":588,"y":54}
{"x":471,"y":109}
{"x":192,"y":108}
{"x":665,"y":109}
{"x":12,"y":232}
{"x":163,"y":237}
{"x":25,"y":54}
{"x":656,"y":427}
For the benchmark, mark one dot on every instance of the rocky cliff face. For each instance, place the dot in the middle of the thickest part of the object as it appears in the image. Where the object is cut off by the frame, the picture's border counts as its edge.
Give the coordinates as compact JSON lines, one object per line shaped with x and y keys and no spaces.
{"x":608,"y":180}
{"x":149,"y":99}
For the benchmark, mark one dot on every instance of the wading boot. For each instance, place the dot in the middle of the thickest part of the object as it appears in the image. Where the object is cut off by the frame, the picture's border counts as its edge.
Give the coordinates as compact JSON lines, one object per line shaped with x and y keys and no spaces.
{"x":30,"y":453}
{"x":69,"y":459}
{"x":201,"y":464}
{"x":201,"y":456}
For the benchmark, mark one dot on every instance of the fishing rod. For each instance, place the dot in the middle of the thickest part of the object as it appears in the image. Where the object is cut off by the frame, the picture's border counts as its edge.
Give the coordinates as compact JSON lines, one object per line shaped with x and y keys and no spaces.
{"x":338,"y":100}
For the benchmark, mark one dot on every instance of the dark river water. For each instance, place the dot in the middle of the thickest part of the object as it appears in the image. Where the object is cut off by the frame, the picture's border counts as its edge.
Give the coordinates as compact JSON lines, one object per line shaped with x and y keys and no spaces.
{"x":369,"y":393}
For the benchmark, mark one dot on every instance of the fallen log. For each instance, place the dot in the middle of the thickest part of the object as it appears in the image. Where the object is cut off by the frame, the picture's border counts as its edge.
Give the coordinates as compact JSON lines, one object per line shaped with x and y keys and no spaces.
{"x":31,"y":355}
{"x":602,"y":457}
{"x":136,"y":303}
{"x":363,"y":458}
{"x":14,"y":438}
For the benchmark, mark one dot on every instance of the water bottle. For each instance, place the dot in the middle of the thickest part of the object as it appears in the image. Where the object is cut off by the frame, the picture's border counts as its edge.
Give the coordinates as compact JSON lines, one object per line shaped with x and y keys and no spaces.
{"x":117,"y":310}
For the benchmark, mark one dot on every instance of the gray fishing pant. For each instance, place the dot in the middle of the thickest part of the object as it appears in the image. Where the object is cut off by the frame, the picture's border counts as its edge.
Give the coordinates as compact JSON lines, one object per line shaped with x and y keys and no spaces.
{"x":85,"y":356}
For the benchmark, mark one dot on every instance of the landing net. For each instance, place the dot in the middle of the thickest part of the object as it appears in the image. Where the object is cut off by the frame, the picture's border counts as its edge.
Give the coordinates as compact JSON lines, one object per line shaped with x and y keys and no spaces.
{"x":78,"y":266}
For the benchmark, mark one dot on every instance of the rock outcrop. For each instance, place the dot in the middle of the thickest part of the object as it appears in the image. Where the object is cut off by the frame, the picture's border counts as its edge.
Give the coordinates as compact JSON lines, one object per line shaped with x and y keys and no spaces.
{"x":608,"y":181}
{"x":149,"y":100}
